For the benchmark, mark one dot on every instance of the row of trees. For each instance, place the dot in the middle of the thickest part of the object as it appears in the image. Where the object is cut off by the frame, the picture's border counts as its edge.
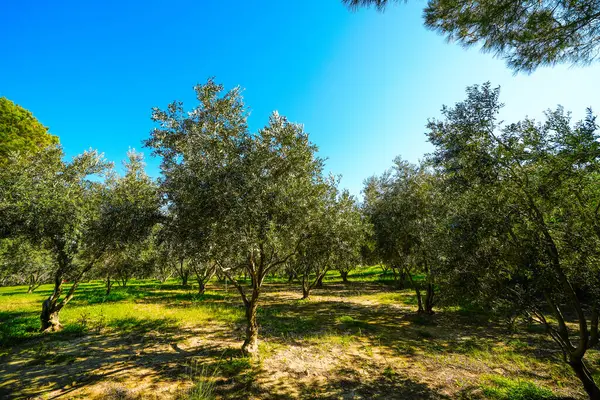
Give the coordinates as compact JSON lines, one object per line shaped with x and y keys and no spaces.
{"x":77,"y":214}
{"x":229,"y":201}
{"x":505,"y":216}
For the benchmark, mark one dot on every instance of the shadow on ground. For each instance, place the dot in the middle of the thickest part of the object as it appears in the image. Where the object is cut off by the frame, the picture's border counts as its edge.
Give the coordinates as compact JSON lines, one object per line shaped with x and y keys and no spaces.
{"x":159,"y":352}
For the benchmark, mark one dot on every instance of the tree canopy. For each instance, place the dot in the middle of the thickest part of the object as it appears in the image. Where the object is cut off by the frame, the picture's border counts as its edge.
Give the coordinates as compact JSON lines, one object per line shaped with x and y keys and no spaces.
{"x":21,"y":131}
{"x":245,"y":198}
{"x":526,"y":33}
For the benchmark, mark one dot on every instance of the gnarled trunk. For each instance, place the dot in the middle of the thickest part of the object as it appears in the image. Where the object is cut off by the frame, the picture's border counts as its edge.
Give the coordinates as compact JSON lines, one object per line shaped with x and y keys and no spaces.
{"x":305,"y":287}
{"x":184,"y":273}
{"x":250,"y":345}
{"x":51,"y":306}
{"x":49,"y":317}
{"x":399,"y":276}
{"x":34,"y":283}
{"x":586,"y":378}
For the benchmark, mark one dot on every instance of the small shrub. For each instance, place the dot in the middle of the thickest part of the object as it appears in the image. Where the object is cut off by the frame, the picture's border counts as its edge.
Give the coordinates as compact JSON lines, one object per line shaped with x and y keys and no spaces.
{"x":389,"y":372}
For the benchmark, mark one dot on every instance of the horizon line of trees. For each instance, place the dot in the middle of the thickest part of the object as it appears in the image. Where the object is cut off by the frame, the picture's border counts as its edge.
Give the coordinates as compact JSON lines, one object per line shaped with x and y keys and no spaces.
{"x":502,"y":216}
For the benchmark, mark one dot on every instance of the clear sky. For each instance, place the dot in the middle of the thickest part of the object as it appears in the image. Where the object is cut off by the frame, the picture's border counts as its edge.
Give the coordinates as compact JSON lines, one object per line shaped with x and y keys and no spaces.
{"x":363,"y":83}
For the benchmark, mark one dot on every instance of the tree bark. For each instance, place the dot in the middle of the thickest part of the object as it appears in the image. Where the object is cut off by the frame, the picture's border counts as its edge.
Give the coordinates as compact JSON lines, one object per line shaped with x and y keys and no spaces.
{"x":183,"y":273}
{"x":305,"y":292}
{"x":109,"y":284}
{"x":420,"y":310}
{"x":305,"y":287}
{"x":49,"y":317}
{"x":344,"y":275}
{"x":319,"y":284}
{"x":201,"y":286}
{"x":50,"y":309}
{"x":399,"y":277}
{"x":250,"y":345}
{"x":34,"y":283}
{"x":586,"y":379}
{"x":429,"y":298}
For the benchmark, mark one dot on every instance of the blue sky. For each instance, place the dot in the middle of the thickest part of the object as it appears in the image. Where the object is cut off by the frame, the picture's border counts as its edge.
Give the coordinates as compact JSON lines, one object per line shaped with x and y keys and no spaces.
{"x":363,"y":83}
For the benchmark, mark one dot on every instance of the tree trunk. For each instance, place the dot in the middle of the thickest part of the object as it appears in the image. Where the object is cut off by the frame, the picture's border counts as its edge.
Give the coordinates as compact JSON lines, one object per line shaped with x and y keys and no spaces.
{"x":49,"y":317}
{"x":33,"y":283}
{"x":250,"y":345}
{"x":586,"y":379}
{"x":306,"y":286}
{"x":344,"y":275}
{"x":201,"y":286}
{"x":305,"y":292}
{"x":291,"y":276}
{"x":399,"y":277}
{"x":419,"y":301}
{"x":319,"y":284}
{"x":429,"y":298}
{"x":184,"y":273}
{"x":108,"y":285}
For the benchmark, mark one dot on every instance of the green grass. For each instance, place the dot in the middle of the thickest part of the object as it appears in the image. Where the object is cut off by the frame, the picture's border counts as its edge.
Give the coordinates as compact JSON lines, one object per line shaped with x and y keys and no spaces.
{"x":501,"y":388}
{"x":368,"y":326}
{"x":203,"y":383}
{"x":137,"y":308}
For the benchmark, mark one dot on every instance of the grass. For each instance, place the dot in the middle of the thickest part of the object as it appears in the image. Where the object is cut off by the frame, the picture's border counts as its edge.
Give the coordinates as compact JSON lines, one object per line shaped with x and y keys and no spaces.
{"x":203,"y":384}
{"x":501,"y":388}
{"x":363,"y":338}
{"x":128,"y":310}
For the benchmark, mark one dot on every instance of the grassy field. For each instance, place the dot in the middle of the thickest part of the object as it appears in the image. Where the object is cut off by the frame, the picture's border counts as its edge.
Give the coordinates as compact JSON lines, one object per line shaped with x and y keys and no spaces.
{"x":359,"y":340}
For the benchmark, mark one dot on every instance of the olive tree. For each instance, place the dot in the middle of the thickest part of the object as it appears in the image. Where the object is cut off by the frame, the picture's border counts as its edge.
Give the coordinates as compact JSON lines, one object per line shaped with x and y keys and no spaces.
{"x":334,"y":239}
{"x":403,"y":207}
{"x":23,"y":262}
{"x":78,"y":217}
{"x":252,"y":194}
{"x":524,"y":221}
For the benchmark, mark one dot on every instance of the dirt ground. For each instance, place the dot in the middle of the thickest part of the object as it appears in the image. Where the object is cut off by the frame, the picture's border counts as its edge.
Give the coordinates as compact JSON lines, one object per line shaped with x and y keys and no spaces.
{"x":345,"y":342}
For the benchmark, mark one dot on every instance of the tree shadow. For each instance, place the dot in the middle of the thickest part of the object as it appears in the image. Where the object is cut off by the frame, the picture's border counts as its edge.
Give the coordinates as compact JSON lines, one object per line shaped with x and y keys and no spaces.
{"x":58,"y":365}
{"x":62,"y":363}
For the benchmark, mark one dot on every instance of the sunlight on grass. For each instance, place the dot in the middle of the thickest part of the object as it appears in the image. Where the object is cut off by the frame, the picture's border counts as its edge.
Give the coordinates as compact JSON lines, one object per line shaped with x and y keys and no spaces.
{"x":375,"y":329}
{"x":126,"y":309}
{"x":501,"y":388}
